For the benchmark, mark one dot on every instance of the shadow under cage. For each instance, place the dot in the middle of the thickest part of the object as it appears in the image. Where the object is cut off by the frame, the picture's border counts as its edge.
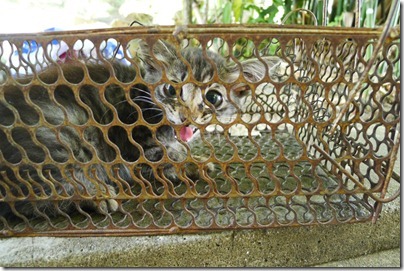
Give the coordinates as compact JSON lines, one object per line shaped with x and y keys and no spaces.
{"x":137,"y":131}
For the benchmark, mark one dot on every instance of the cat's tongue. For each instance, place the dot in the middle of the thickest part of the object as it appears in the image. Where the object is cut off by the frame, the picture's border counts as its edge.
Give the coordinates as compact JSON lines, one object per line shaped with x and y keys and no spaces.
{"x":186,"y":133}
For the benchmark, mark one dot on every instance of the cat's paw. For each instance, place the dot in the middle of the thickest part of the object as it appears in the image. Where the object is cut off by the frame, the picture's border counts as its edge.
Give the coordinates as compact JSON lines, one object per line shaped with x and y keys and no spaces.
{"x":210,"y":167}
{"x":108,"y":205}
{"x":192,"y":170}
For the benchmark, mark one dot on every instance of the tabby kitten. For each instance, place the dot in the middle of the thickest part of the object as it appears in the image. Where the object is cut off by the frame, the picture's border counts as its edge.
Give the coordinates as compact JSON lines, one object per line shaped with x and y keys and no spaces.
{"x":77,"y":123}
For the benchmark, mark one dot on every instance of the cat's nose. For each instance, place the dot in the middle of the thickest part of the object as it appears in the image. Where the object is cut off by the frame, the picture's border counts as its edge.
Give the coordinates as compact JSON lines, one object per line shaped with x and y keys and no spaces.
{"x":183,"y":118}
{"x":200,"y":107}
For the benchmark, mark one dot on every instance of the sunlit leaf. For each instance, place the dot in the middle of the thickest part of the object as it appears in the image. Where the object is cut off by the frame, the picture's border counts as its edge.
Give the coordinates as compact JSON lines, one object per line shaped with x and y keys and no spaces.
{"x":226,"y":17}
{"x":237,"y":9}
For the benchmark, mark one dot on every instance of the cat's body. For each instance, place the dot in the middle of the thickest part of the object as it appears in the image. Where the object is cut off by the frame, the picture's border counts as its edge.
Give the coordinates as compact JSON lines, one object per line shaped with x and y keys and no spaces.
{"x":65,"y":126}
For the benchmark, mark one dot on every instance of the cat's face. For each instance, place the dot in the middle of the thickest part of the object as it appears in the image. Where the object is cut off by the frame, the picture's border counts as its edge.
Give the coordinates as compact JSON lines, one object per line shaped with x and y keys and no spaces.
{"x":193,"y":104}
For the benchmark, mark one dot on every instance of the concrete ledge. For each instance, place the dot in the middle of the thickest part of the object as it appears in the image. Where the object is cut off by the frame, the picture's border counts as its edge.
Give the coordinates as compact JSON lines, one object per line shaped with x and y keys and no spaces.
{"x":387,"y":258}
{"x":289,"y":246}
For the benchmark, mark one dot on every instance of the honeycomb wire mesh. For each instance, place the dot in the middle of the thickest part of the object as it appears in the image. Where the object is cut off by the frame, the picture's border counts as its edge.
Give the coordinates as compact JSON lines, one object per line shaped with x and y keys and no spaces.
{"x":275,"y":163}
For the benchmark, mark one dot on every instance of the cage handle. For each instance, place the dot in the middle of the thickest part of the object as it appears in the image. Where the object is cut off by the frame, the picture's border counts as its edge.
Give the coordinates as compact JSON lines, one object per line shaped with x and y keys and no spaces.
{"x":300,"y":9}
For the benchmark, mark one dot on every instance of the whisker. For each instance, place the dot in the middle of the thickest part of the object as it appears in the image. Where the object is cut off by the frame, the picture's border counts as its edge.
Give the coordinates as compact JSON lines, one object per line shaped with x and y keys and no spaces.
{"x":153,"y":108}
{"x":105,"y":113}
{"x":110,"y":110}
{"x":120,"y":102}
{"x":139,"y":99}
{"x":142,"y":90}
{"x":142,"y":97}
{"x":143,"y":100}
{"x":157,"y":115}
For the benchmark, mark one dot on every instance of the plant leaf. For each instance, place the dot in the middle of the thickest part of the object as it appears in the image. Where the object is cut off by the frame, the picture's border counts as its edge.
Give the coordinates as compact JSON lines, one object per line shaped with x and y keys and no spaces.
{"x":237,"y":9}
{"x":226,"y":17}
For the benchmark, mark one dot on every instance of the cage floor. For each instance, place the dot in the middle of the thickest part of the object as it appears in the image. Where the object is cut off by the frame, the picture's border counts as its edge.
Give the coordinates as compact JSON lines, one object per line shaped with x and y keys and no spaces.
{"x":244,"y":195}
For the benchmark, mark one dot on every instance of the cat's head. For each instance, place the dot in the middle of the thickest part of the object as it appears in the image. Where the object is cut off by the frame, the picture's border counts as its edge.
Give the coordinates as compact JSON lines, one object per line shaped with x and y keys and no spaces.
{"x":205,"y":99}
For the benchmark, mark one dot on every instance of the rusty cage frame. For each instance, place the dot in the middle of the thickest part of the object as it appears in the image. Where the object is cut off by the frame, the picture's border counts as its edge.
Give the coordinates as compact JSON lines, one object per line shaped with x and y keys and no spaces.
{"x":300,"y":152}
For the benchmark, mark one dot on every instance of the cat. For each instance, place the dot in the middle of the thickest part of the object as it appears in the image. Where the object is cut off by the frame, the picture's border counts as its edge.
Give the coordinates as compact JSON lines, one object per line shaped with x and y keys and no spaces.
{"x":74,"y":122}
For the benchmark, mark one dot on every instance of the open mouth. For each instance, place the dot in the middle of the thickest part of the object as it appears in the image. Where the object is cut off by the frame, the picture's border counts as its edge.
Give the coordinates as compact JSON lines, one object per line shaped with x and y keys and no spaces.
{"x":187,"y":132}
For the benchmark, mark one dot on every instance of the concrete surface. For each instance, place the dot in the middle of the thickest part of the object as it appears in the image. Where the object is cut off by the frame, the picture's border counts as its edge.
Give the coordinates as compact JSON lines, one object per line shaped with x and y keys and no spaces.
{"x":388,"y":258}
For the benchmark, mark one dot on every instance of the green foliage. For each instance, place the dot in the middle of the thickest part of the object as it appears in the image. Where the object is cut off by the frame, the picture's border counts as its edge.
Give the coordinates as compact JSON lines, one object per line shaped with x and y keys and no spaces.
{"x":237,"y":8}
{"x":227,"y":13}
{"x":256,"y":11}
{"x":265,"y":15}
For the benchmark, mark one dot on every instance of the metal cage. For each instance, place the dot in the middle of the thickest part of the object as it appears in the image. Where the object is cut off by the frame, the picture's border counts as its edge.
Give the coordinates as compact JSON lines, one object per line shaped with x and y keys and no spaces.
{"x":298,"y":151}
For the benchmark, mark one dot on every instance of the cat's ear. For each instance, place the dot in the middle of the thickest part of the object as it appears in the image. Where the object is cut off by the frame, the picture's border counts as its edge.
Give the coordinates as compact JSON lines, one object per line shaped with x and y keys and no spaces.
{"x":161,"y":50}
{"x":165,"y":52}
{"x":254,"y":71}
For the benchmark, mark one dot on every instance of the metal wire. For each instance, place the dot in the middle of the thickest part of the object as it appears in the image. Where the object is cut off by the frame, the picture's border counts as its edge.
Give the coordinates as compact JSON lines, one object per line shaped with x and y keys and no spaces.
{"x":280,"y":160}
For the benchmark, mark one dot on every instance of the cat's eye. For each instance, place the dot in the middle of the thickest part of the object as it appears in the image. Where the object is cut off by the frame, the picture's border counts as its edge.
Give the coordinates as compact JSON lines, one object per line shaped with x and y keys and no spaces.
{"x":214,"y":97}
{"x":169,"y":91}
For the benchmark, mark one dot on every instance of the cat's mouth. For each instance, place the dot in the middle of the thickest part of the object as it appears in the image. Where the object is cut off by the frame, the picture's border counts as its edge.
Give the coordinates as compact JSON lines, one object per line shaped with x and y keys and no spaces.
{"x":187,"y":132}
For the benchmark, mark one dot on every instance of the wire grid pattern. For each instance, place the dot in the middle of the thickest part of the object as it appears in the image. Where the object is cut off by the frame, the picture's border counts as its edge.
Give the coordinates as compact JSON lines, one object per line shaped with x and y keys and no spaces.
{"x":275,"y":164}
